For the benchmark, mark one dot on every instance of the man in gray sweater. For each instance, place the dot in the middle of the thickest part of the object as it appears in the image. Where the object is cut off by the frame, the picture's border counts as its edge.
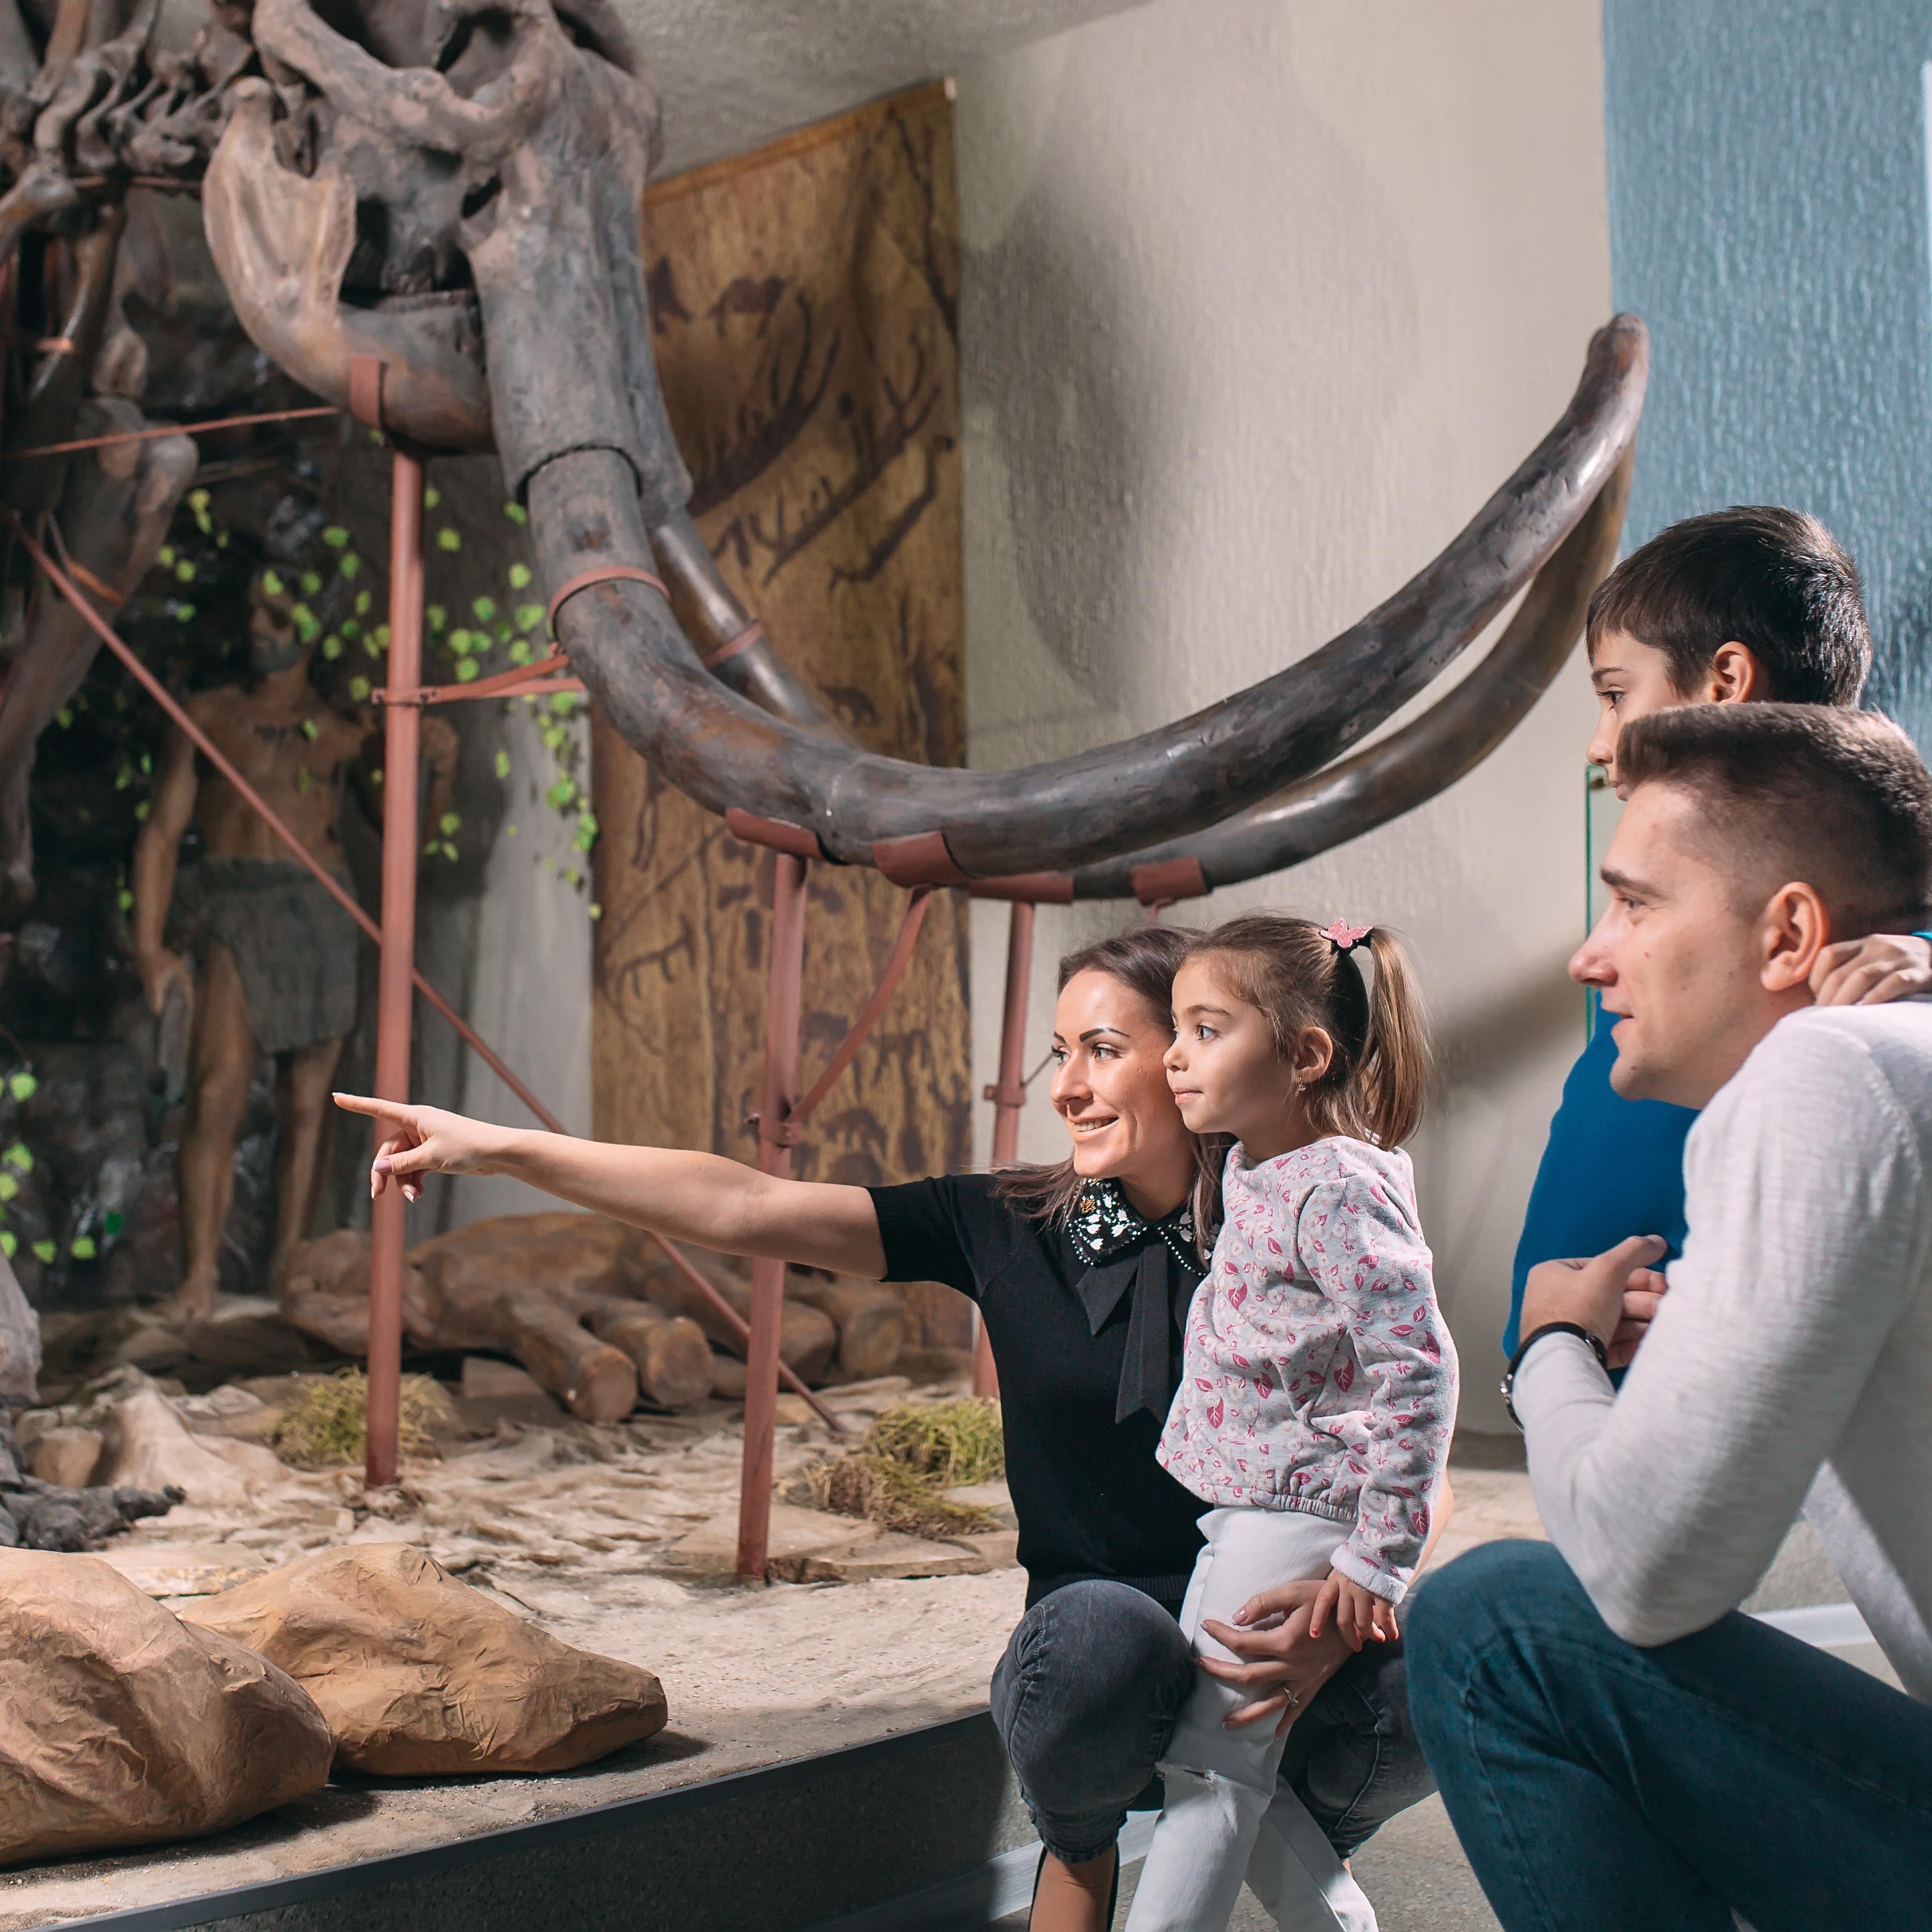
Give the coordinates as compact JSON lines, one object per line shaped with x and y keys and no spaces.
{"x":1617,"y":1746}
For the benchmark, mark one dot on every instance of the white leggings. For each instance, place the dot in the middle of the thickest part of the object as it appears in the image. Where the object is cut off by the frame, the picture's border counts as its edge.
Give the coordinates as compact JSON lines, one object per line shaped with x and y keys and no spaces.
{"x":1224,"y":1819}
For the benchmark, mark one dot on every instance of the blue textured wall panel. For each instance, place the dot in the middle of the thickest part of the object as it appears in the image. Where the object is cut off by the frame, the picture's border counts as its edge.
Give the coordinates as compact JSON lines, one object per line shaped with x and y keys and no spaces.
{"x":1768,"y":219}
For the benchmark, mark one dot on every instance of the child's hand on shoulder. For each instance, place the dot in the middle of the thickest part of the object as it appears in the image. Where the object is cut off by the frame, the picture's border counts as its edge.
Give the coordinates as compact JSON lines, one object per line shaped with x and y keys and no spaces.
{"x":1359,"y":1614}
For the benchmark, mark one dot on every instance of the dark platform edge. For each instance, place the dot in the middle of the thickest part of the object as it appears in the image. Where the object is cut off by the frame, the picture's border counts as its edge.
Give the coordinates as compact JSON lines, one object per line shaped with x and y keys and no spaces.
{"x":922,"y":1816}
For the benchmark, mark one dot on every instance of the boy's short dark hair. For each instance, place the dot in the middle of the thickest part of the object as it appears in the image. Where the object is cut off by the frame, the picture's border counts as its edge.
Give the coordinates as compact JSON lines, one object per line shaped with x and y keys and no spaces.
{"x":1838,"y":800}
{"x":1775,"y":580}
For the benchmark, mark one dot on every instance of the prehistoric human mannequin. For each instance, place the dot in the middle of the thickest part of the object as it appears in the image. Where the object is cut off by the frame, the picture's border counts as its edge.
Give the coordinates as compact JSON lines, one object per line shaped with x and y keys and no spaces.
{"x":276,"y":955}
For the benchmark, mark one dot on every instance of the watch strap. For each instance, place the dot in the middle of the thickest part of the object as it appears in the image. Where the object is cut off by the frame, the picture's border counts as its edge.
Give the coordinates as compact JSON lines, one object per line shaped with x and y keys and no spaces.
{"x":1529,"y":1341}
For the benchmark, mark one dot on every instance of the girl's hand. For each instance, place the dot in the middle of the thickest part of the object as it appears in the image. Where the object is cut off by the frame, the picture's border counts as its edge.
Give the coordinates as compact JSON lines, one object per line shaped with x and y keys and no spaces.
{"x":1282,"y":1665}
{"x":1873,"y":971}
{"x":416,"y":1141}
{"x":1360,"y":1615}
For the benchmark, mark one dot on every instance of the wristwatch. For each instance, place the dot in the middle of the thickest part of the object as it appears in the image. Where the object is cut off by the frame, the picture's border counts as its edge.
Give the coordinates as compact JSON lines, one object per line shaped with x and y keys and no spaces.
{"x":1529,"y":1341}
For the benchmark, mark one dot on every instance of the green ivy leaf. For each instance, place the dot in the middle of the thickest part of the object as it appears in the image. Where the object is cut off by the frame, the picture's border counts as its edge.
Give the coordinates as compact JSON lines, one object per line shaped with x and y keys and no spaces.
{"x":448,"y":851}
{"x":596,"y":911}
{"x":361,"y":603}
{"x":9,"y":1187}
{"x":184,"y":572}
{"x":165,"y":556}
{"x":563,"y":793}
{"x":520,"y":652}
{"x":19,"y":1157}
{"x":335,"y":536}
{"x":520,"y":575}
{"x":529,"y":616}
{"x":351,"y":564}
{"x":381,"y":634}
{"x":81,"y":1248}
{"x":115,"y":1222}
{"x":303,"y":781}
{"x":147,"y":759}
{"x":125,"y":899}
{"x":436,"y":616}
{"x":516,"y":513}
{"x":485,"y":608}
{"x":447,"y":538}
{"x":64,"y":718}
{"x":44,"y":1252}
{"x":123,"y":778}
{"x":307,"y":626}
{"x":311,"y":582}
{"x":503,"y":762}
{"x":563,"y":703}
{"x":572,"y":877}
{"x":449,"y":823}
{"x":432,"y":496}
{"x":197,"y":499}
{"x":9,"y":1244}
{"x":466,"y":669}
{"x":310,"y":730}
{"x":141,"y":813}
{"x":271,"y":584}
{"x":509,"y":831}
{"x":332,"y":647}
{"x":358,"y":689}
{"x":183,"y":613}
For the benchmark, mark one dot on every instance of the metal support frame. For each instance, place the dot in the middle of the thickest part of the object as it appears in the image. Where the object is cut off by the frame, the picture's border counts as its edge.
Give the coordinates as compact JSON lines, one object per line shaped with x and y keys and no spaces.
{"x":783,"y":1000}
{"x":402,"y":737}
{"x":1008,"y":1095}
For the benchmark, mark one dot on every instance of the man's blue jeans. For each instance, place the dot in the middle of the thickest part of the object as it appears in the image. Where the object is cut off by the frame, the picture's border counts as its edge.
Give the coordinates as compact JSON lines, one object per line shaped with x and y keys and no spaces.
{"x":1086,"y":1697}
{"x":1598,"y":1787}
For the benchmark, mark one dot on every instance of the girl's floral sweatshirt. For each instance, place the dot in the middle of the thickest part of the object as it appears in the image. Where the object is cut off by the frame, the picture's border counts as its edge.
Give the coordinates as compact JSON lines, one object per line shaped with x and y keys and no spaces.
{"x":1319,"y":1373}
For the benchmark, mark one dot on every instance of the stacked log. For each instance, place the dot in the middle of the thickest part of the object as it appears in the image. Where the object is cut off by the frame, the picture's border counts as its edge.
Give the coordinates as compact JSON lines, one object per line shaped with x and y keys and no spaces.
{"x":595,"y":1311}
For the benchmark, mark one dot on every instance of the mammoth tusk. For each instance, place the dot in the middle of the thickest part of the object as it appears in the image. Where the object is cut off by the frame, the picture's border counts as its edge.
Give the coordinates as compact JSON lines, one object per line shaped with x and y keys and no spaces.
{"x":1083,"y":810}
{"x":1409,"y":766}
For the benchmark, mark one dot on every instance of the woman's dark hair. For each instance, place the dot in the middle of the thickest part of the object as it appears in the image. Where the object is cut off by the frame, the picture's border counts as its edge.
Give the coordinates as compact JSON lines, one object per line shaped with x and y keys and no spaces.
{"x":1289,"y":970}
{"x":1144,"y":960}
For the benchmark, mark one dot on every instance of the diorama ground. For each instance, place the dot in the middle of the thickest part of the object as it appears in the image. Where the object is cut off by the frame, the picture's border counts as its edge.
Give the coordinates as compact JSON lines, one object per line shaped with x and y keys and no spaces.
{"x":618,"y":1539}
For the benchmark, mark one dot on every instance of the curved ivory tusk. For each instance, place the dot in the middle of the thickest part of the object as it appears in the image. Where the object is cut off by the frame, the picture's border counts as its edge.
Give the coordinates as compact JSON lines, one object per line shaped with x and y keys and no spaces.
{"x":281,"y":241}
{"x":917,"y":821}
{"x":1408,"y":767}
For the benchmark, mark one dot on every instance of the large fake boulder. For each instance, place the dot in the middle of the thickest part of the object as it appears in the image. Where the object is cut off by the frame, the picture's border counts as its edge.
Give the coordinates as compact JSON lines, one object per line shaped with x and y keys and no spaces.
{"x":120,"y":1725}
{"x":419,"y":1675}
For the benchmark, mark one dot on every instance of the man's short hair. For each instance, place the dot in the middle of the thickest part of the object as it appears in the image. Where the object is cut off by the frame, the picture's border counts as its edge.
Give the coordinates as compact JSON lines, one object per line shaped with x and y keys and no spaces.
{"x":1837,"y":800}
{"x":1775,"y":580}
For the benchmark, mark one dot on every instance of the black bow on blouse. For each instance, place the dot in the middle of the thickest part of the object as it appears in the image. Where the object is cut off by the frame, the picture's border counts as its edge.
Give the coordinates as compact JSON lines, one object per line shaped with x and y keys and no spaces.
{"x":1157,"y":1261}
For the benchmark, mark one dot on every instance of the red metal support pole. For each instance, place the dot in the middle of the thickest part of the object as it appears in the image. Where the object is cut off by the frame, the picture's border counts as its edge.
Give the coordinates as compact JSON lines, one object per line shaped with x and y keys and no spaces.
{"x":402,"y":721}
{"x":1008,"y":1096}
{"x":775,"y":1135}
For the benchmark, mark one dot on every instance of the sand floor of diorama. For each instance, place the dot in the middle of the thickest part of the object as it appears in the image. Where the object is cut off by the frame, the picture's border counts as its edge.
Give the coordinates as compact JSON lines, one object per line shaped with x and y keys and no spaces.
{"x":564,"y":1525}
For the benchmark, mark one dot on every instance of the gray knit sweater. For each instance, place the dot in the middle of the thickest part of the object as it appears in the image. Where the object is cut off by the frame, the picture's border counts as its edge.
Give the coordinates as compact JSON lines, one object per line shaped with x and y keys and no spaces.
{"x":1790,"y":1364}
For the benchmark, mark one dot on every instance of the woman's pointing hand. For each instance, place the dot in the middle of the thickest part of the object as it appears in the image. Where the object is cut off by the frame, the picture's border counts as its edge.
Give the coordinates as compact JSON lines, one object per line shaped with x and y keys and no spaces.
{"x":415,"y":1141}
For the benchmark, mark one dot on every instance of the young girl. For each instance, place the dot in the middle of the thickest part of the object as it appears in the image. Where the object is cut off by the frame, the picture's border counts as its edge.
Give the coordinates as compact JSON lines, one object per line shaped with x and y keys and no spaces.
{"x":1319,"y":1388}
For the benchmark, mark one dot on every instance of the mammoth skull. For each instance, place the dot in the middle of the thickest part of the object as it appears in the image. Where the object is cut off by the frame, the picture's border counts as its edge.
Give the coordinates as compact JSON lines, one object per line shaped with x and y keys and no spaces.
{"x":457,"y":190}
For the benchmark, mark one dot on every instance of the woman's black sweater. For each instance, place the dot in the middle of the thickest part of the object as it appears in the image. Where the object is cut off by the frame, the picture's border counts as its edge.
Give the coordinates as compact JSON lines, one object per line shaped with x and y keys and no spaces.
{"x":1090,"y":1500}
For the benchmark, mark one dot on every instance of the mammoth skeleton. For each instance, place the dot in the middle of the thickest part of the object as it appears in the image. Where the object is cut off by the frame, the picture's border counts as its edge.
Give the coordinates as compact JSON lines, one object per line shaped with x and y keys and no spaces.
{"x":452,"y":194}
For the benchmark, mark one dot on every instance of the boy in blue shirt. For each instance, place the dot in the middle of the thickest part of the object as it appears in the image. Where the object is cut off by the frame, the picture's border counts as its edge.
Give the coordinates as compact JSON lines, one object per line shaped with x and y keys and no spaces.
{"x":1741,"y":603}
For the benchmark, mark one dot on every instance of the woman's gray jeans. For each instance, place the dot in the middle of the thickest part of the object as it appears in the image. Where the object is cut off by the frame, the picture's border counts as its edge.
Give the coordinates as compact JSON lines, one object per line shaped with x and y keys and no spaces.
{"x":1087,"y":1692}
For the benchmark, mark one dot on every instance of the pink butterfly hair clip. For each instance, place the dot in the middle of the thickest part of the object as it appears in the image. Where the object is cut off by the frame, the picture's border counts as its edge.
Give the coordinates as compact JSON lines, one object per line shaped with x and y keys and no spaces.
{"x":1344,"y":937}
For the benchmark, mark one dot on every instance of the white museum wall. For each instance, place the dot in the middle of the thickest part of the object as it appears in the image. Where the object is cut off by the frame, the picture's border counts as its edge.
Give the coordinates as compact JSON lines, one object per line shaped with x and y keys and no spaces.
{"x":530,"y":986}
{"x":1261,"y":302}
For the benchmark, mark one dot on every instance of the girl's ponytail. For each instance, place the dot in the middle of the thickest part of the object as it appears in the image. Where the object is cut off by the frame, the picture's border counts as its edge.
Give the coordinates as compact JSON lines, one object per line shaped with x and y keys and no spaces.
{"x":1300,"y":975}
{"x":1392,"y":1076}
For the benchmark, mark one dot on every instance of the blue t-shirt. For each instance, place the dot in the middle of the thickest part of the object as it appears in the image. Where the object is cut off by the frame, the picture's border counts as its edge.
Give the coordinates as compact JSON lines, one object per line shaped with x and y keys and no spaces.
{"x":1612,"y":1168}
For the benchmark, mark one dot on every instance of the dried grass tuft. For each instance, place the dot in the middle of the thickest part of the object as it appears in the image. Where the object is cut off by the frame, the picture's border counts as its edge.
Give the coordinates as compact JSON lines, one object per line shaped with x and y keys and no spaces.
{"x":909,"y":1455}
{"x":331,"y":1423}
